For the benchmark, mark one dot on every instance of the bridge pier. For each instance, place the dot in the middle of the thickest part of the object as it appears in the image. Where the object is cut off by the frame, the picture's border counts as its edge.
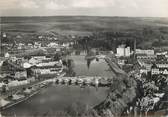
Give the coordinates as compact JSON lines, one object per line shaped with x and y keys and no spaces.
{"x":84,"y":81}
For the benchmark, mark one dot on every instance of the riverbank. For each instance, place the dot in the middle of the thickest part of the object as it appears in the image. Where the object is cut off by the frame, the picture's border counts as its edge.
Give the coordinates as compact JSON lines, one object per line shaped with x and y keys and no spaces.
{"x":13,"y":103}
{"x":32,"y":90}
{"x":60,"y":98}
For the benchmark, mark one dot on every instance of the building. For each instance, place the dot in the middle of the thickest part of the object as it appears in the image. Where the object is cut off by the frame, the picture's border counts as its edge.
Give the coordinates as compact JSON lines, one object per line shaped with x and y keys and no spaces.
{"x":127,"y":51}
{"x":37,"y":45}
{"x":20,"y":46}
{"x":143,"y":70}
{"x":161,"y":57}
{"x":145,"y":57}
{"x":145,"y":64}
{"x":163,"y":64}
{"x":123,"y":51}
{"x":38,"y":59}
{"x":1,"y":62}
{"x":66,"y":45}
{"x":20,"y":74}
{"x":146,"y":52}
{"x":33,"y":61}
{"x":47,"y":68}
{"x":13,"y":58}
{"x":29,"y":46}
{"x":7,"y":55}
{"x":162,"y":53}
{"x":159,"y":69}
{"x":4,"y":35}
{"x":53,"y":45}
{"x":26,"y":65}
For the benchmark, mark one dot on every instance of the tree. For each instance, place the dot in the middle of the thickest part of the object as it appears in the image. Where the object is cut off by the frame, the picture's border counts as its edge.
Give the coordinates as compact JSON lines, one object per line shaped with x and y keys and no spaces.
{"x":57,"y":57}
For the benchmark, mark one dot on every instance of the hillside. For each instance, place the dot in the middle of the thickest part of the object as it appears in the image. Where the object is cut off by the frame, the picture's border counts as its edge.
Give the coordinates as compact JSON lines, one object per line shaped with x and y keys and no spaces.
{"x":122,"y":92}
{"x":79,"y":24}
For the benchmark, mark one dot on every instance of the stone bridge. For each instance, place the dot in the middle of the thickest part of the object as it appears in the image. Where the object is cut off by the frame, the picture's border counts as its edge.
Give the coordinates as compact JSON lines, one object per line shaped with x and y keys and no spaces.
{"x":82,"y":81}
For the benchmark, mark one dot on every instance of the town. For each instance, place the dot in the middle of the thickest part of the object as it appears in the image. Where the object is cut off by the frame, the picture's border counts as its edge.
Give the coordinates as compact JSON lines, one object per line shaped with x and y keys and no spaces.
{"x":27,"y":68}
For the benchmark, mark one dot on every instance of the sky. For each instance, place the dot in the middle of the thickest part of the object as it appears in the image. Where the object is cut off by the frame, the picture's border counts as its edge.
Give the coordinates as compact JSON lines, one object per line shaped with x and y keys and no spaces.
{"x":132,"y":8}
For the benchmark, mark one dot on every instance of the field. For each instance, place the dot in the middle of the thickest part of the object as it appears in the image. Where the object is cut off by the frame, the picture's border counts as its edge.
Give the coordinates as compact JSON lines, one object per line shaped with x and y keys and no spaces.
{"x":148,"y":31}
{"x":78,"y":24}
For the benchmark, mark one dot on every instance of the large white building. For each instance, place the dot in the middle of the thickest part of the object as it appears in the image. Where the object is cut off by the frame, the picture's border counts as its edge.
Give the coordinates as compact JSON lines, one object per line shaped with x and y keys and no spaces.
{"x":123,"y":51}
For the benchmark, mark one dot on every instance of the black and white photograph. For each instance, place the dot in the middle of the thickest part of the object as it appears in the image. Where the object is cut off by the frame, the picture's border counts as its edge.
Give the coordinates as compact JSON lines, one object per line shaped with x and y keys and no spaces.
{"x":83,"y":58}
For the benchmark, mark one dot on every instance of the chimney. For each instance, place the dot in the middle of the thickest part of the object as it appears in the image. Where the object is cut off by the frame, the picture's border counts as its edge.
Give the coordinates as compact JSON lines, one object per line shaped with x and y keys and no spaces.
{"x":134,"y":48}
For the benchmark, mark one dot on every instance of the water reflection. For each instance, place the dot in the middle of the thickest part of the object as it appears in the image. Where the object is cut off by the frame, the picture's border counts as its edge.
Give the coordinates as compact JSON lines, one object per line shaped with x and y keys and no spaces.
{"x":89,"y":62}
{"x":87,"y":65}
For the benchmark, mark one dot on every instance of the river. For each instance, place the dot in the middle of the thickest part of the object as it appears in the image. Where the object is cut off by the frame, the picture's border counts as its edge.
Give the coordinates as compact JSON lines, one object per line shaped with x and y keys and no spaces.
{"x":58,"y":98}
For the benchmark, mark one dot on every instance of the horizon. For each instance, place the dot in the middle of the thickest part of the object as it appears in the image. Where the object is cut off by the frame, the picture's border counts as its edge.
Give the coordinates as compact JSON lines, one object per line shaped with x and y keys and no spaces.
{"x":120,"y":8}
{"x":86,"y":16}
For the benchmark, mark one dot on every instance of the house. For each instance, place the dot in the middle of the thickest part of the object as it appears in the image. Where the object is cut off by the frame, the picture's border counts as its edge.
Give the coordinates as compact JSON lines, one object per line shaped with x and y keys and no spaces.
{"x":1,"y":62}
{"x":39,"y":57}
{"x":14,"y":59}
{"x":161,"y":58}
{"x":162,"y":53}
{"x":154,"y":70}
{"x":53,"y":45}
{"x":19,"y":36}
{"x":37,"y":45}
{"x":33,"y":61}
{"x":29,"y":46}
{"x":146,"y":64}
{"x":66,"y":45}
{"x":4,"y":35}
{"x":165,"y":71}
{"x":143,"y":70}
{"x":20,"y":46}
{"x":7,"y":55}
{"x":20,"y":74}
{"x":40,"y":37}
{"x":162,"y":64}
{"x":157,"y":70}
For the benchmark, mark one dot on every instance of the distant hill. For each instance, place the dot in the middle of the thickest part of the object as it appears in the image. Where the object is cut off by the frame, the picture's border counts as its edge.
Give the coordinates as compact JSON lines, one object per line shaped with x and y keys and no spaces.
{"x":79,"y":24}
{"x":149,"y":32}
